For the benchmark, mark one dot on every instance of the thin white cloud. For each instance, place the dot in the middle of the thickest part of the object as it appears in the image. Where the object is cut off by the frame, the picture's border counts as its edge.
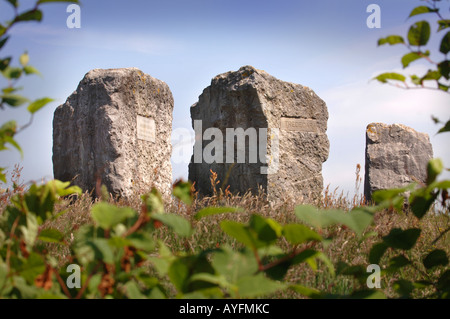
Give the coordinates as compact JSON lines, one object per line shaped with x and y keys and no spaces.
{"x":99,"y":39}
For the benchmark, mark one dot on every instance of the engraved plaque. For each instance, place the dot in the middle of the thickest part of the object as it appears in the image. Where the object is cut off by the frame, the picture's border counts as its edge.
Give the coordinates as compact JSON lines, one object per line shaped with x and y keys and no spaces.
{"x":299,"y":125}
{"x":146,"y":128}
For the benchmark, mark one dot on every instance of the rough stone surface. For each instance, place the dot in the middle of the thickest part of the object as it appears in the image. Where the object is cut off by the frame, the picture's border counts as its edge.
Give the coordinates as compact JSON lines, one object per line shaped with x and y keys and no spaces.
{"x":251,"y":98}
{"x":115,"y":129}
{"x":396,"y":155}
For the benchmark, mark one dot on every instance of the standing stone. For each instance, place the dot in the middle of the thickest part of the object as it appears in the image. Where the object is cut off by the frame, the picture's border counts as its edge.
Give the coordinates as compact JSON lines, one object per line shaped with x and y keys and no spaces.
{"x":396,"y":155}
{"x":289,"y":120}
{"x":115,"y":129}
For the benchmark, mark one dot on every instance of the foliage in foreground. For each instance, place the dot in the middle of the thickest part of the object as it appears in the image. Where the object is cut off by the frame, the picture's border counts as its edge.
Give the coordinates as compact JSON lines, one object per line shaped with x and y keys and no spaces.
{"x":119,"y":258}
{"x":116,"y":256}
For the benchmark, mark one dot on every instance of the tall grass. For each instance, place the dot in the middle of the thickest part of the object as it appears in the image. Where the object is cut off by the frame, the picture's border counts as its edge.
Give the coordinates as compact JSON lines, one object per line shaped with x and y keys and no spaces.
{"x":345,"y":245}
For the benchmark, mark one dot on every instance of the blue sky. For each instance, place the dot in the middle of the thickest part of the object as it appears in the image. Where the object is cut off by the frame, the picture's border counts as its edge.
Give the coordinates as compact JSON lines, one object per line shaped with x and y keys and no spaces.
{"x":325,"y":45}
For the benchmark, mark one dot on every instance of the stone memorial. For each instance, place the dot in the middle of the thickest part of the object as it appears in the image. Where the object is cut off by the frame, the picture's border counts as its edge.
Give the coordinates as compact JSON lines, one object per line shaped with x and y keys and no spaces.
{"x":396,"y":155}
{"x":115,"y":129}
{"x":256,"y":131}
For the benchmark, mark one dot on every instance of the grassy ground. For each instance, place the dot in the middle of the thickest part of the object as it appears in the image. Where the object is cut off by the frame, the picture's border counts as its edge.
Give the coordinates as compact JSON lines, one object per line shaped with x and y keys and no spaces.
{"x":345,"y":246}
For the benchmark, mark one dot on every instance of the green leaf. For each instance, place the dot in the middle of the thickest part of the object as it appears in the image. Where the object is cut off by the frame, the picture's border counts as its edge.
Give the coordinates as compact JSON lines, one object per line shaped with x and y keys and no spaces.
{"x":297,"y":234}
{"x":415,"y":79}
{"x":213,"y":279}
{"x":182,"y":191}
{"x":14,"y":3}
{"x":154,"y":202}
{"x":4,"y":63}
{"x":446,"y":128}
{"x":357,"y":219}
{"x":24,"y":59}
{"x":368,"y":294}
{"x":421,"y":202}
{"x":443,"y":184}
{"x":208,"y":211}
{"x":404,"y":287}
{"x":431,"y":75}
{"x":33,"y":267}
{"x":421,"y":10}
{"x":142,"y":241}
{"x":182,"y":269}
{"x":392,"y":198}
{"x":444,"y":69}
{"x":51,"y":235}
{"x":267,"y":230}
{"x":179,"y":224}
{"x":306,"y":291}
{"x":444,"y":281}
{"x":102,"y":250}
{"x":443,"y":87}
{"x":384,"y":77}
{"x":2,"y":175}
{"x":434,"y":167}
{"x":31,"y":70}
{"x":377,"y":252}
{"x":309,"y":256}
{"x":419,"y":33}
{"x":437,"y":257}
{"x":234,"y":264}
{"x":38,"y":104}
{"x":389,"y":194}
{"x":46,"y":295}
{"x":30,"y":231}
{"x":443,"y":24}
{"x":398,"y":262}
{"x":279,"y":271}
{"x":13,"y":100}
{"x":402,"y":239}
{"x":3,"y":274}
{"x":31,"y":15}
{"x":132,"y":291}
{"x":445,"y":43}
{"x":240,"y":232}
{"x":12,"y":73}
{"x":62,"y":188}
{"x":357,"y":271}
{"x":312,"y":216}
{"x":107,"y":216}
{"x":391,"y":40}
{"x":25,"y":291}
{"x":413,"y":56}
{"x":3,"y":41}
{"x":10,"y":140}
{"x":258,"y":285}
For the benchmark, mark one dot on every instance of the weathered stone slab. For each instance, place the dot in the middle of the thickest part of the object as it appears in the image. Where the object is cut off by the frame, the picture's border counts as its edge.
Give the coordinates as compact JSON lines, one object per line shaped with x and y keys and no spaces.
{"x":115,"y":129}
{"x":396,"y":155}
{"x":287,"y":120}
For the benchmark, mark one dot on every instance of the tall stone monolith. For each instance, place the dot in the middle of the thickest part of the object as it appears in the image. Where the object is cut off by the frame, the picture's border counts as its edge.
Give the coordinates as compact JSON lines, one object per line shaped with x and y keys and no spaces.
{"x":396,"y":155}
{"x":256,"y":131}
{"x":115,"y":129}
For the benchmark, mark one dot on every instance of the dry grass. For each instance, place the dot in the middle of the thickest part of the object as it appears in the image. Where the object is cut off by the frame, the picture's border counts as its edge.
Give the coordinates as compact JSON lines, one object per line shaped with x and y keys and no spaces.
{"x":345,"y":246}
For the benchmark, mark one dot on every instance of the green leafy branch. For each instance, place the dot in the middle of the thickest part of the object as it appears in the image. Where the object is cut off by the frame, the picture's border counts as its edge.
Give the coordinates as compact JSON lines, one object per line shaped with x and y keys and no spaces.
{"x":417,"y":37}
{"x":8,"y":95}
